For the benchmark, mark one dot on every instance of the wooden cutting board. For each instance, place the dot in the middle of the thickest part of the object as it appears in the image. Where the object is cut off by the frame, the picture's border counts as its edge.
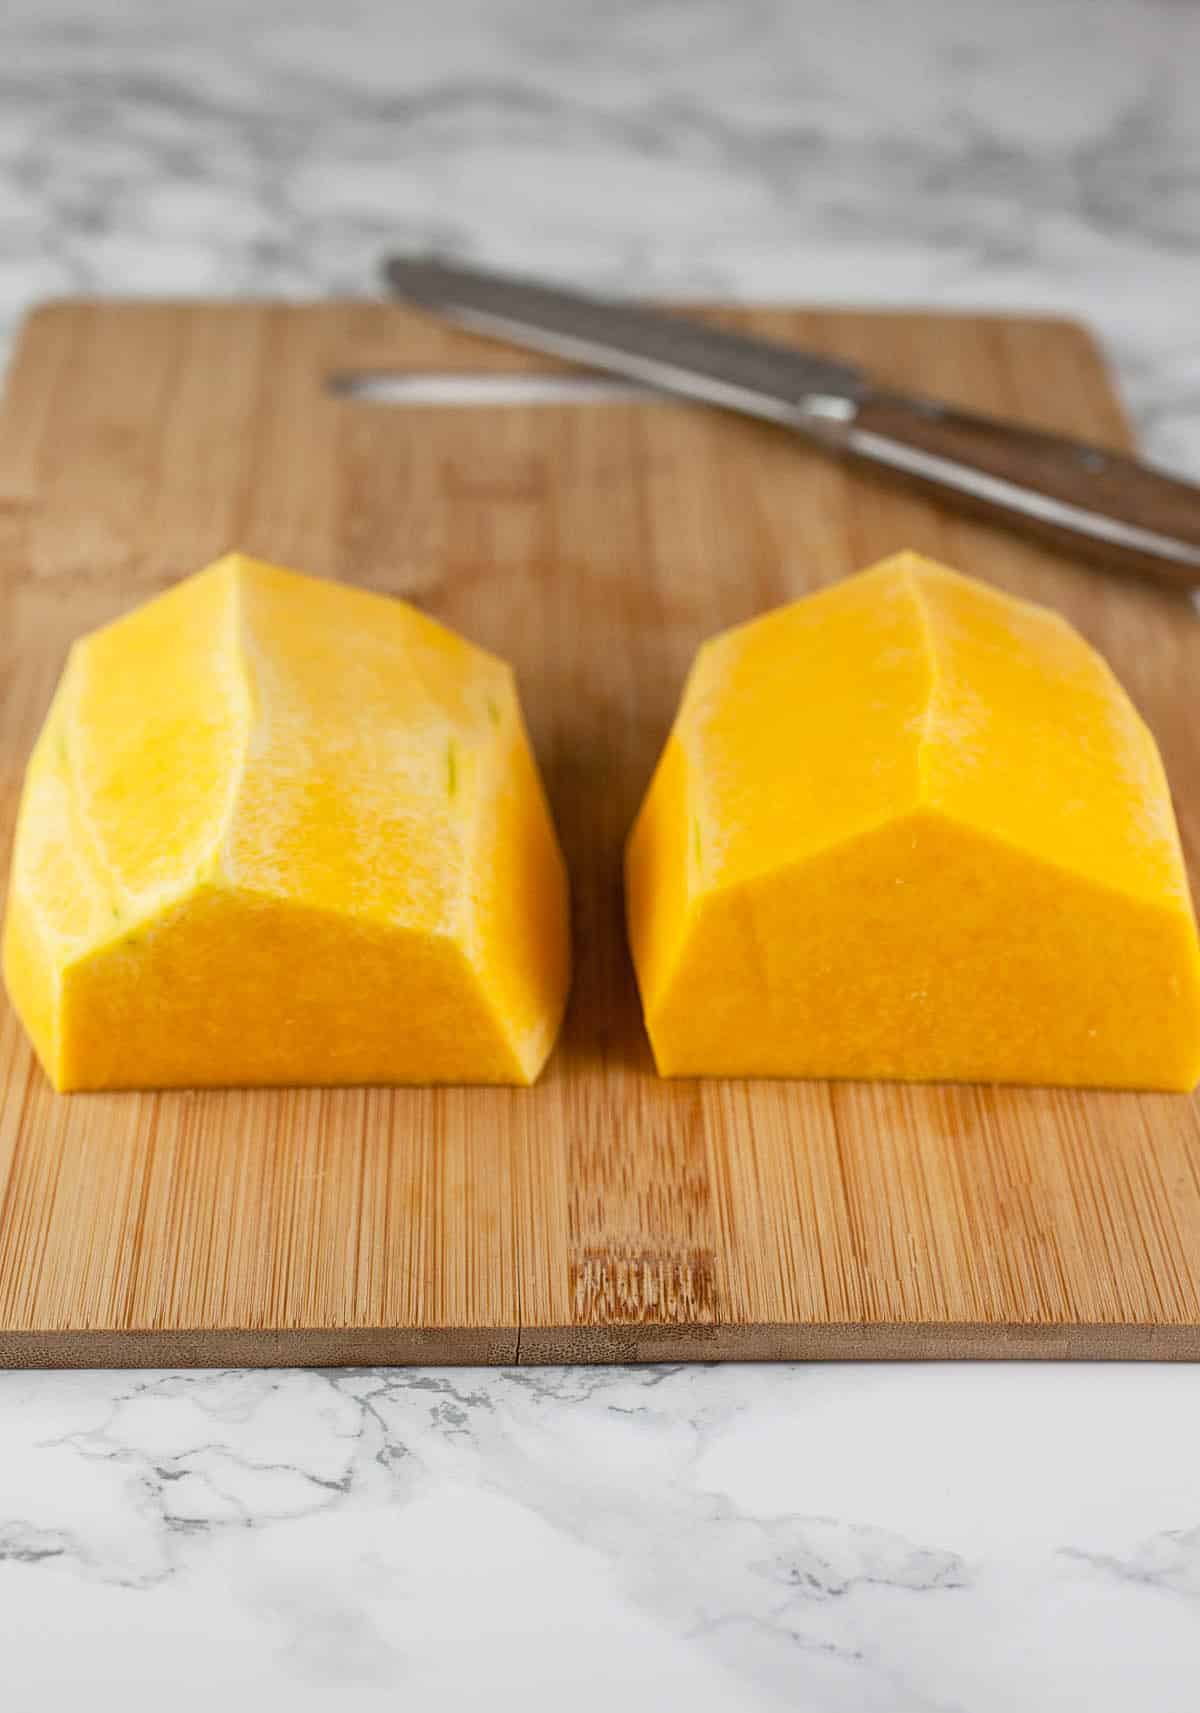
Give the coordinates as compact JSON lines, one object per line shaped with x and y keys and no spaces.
{"x":605,"y":1214}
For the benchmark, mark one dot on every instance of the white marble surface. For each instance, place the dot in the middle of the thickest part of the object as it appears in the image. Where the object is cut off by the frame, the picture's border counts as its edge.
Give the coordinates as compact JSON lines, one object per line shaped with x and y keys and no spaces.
{"x":837,"y":1540}
{"x":958,"y":1539}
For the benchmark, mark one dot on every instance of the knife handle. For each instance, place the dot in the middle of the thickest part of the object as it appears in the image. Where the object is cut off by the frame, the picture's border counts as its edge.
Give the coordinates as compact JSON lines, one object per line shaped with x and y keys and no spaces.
{"x":1082,"y":499}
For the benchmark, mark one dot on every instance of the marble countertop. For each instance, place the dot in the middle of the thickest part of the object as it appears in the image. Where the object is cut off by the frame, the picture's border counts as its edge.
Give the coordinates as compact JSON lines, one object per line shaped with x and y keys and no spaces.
{"x":940,"y":1539}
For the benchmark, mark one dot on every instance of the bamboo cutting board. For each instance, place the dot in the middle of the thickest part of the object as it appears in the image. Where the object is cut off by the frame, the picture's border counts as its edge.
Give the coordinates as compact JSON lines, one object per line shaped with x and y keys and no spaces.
{"x":605,"y":1214}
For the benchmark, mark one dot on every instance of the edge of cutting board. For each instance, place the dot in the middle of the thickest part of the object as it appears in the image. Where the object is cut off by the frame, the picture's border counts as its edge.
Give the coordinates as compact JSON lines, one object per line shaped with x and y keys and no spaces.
{"x":367,"y":1347}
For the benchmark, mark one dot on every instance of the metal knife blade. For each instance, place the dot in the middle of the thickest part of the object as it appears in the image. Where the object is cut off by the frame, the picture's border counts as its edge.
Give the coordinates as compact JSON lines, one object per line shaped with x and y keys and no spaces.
{"x":668,"y":351}
{"x":1082,"y":498}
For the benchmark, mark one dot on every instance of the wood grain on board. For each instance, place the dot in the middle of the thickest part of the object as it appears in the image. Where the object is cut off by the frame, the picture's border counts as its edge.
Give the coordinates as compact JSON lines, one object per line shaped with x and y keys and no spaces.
{"x":605,"y":1214}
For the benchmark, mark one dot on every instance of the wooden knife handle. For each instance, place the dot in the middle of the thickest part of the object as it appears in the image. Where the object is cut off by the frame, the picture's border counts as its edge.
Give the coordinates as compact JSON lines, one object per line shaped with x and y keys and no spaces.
{"x":1086,"y":501}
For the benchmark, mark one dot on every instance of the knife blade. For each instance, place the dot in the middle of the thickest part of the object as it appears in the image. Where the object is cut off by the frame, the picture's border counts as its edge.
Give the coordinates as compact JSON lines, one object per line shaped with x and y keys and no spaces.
{"x":1114,"y":510}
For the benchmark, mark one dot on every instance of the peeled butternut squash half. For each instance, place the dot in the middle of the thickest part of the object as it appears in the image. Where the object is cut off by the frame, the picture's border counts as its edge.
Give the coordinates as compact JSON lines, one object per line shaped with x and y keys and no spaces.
{"x":910,"y":827}
{"x":279,"y":830}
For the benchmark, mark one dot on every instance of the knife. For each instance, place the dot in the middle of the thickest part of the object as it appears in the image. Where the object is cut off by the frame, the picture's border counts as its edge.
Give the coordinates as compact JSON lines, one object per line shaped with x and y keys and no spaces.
{"x":1083,"y":499}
